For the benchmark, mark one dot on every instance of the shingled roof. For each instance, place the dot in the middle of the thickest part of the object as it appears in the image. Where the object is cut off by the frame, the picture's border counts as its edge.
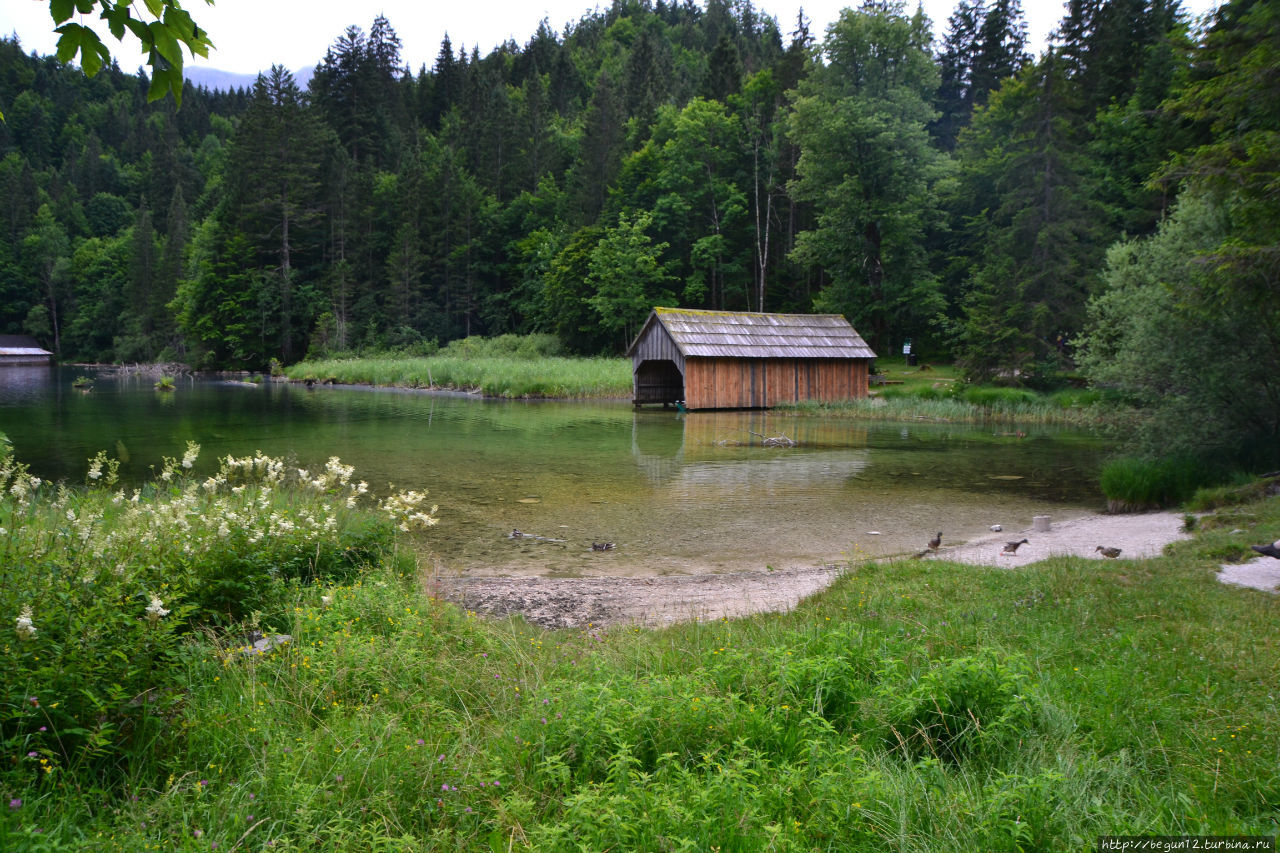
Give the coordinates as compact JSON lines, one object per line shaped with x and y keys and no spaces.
{"x":737,"y":334}
{"x":21,"y":345}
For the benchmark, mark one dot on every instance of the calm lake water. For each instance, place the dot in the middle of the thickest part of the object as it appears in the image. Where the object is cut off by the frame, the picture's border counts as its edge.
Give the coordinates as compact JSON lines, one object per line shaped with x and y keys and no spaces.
{"x":676,"y":492}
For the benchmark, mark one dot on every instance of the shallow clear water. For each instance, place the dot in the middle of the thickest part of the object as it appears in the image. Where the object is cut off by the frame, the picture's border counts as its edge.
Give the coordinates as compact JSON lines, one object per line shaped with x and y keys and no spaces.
{"x":675,"y":492}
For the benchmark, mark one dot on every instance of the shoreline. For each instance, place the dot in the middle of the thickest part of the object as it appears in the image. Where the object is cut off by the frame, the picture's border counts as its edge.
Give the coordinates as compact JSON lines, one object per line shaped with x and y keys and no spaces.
{"x":663,"y":600}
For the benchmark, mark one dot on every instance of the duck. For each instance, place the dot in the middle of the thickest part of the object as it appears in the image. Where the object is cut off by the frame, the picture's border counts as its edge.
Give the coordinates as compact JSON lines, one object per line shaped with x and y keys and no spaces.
{"x":1272,"y":550}
{"x":1012,"y":547}
{"x":1108,"y":552}
{"x":601,"y":546}
{"x":936,"y":542}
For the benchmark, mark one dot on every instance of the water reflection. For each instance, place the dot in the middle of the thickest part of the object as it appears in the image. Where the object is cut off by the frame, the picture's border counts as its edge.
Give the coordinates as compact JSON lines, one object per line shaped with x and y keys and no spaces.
{"x":677,"y":493}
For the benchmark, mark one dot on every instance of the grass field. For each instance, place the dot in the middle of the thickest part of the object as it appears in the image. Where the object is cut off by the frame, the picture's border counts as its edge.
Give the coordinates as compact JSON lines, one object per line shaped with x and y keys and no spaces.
{"x":914,"y":706}
{"x":937,"y":393}
{"x":511,"y":366}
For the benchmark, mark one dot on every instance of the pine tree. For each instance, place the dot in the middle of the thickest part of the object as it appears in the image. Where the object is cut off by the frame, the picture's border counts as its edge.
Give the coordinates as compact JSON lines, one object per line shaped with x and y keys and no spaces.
{"x":1040,"y":231}
{"x":984,"y":47}
{"x":724,"y":70}
{"x":276,"y":193}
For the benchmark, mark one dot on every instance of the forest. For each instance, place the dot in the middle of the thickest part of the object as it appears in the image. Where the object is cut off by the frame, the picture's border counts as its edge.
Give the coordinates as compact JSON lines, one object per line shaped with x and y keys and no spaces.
{"x":932,"y":181}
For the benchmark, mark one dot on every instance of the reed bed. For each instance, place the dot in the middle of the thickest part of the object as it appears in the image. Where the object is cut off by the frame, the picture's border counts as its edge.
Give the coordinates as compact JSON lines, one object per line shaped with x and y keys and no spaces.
{"x":514,"y":377}
{"x":913,"y":706}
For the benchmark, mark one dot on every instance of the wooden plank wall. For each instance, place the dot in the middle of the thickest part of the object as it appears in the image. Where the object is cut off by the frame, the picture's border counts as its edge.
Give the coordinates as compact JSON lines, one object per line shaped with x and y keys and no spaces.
{"x":656,"y":345}
{"x":729,"y":383}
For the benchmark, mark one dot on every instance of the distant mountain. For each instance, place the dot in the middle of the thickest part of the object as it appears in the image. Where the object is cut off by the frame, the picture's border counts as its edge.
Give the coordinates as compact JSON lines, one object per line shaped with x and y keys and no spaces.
{"x":212,"y":78}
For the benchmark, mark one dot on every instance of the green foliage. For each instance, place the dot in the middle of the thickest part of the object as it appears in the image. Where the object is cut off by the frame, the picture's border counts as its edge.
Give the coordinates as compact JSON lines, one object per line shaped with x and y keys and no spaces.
{"x":1242,"y":491}
{"x":627,"y":277}
{"x":505,"y":346}
{"x":961,"y":708}
{"x":508,"y":366}
{"x":106,"y":590}
{"x":1040,"y":238}
{"x":868,"y":167}
{"x":1135,"y":484}
{"x":395,"y":720}
{"x":1182,"y":336}
{"x":652,"y":155}
{"x":162,"y":39}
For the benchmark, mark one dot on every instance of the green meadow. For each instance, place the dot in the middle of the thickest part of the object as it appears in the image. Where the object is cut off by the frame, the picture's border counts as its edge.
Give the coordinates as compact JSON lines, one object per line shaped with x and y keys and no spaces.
{"x":511,"y":366}
{"x":913,"y":706}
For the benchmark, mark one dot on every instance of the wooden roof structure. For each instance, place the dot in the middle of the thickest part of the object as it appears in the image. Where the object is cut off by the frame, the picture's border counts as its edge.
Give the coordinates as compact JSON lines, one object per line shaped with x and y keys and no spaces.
{"x":738,"y":334}
{"x":22,"y":349}
{"x":734,"y":359}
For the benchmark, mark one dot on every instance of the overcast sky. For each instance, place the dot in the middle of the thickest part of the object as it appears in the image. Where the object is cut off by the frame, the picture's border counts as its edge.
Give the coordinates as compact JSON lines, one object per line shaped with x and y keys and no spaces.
{"x":251,"y":35}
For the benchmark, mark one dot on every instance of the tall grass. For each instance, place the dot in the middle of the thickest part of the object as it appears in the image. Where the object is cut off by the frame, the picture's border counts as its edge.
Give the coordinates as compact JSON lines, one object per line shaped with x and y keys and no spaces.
{"x":912,"y":707}
{"x":512,"y":377}
{"x":1133,"y":483}
{"x":938,"y":393}
{"x":511,"y":366}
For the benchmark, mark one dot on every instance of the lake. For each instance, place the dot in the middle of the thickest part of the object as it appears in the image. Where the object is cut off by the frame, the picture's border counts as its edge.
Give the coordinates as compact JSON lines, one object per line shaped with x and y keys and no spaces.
{"x":675,"y":492}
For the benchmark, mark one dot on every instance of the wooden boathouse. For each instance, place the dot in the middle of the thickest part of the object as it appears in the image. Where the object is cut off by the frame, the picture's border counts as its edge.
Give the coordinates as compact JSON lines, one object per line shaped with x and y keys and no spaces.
{"x":743,"y":360}
{"x":22,"y":350}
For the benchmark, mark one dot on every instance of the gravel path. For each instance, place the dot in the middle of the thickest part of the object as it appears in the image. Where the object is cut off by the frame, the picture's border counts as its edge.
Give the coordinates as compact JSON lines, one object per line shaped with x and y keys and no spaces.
{"x":1137,"y":535}
{"x":1259,"y":573}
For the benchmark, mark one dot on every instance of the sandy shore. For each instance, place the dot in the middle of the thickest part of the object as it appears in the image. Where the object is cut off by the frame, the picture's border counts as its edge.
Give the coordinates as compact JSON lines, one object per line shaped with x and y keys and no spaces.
{"x":1137,"y":535}
{"x":594,"y":602}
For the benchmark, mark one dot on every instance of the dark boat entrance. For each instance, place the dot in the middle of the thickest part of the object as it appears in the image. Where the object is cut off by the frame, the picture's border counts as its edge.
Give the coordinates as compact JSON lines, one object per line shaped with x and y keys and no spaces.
{"x":658,"y":381}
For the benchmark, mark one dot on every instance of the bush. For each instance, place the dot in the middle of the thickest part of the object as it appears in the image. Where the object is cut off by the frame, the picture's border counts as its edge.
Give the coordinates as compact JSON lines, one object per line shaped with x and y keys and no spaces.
{"x":999,"y":397}
{"x":102,"y":586}
{"x":505,"y":346}
{"x":962,"y":707}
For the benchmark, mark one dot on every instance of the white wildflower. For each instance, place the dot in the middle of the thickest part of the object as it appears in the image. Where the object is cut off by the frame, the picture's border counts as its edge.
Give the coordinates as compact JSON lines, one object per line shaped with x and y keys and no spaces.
{"x":337,"y":471}
{"x":26,"y":630}
{"x":95,"y":469}
{"x":189,"y":458}
{"x":326,"y":600}
{"x":156,"y":610}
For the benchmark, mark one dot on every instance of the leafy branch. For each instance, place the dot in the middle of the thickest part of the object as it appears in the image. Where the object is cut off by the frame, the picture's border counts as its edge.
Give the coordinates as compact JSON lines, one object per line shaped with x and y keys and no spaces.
{"x":161,"y":38}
